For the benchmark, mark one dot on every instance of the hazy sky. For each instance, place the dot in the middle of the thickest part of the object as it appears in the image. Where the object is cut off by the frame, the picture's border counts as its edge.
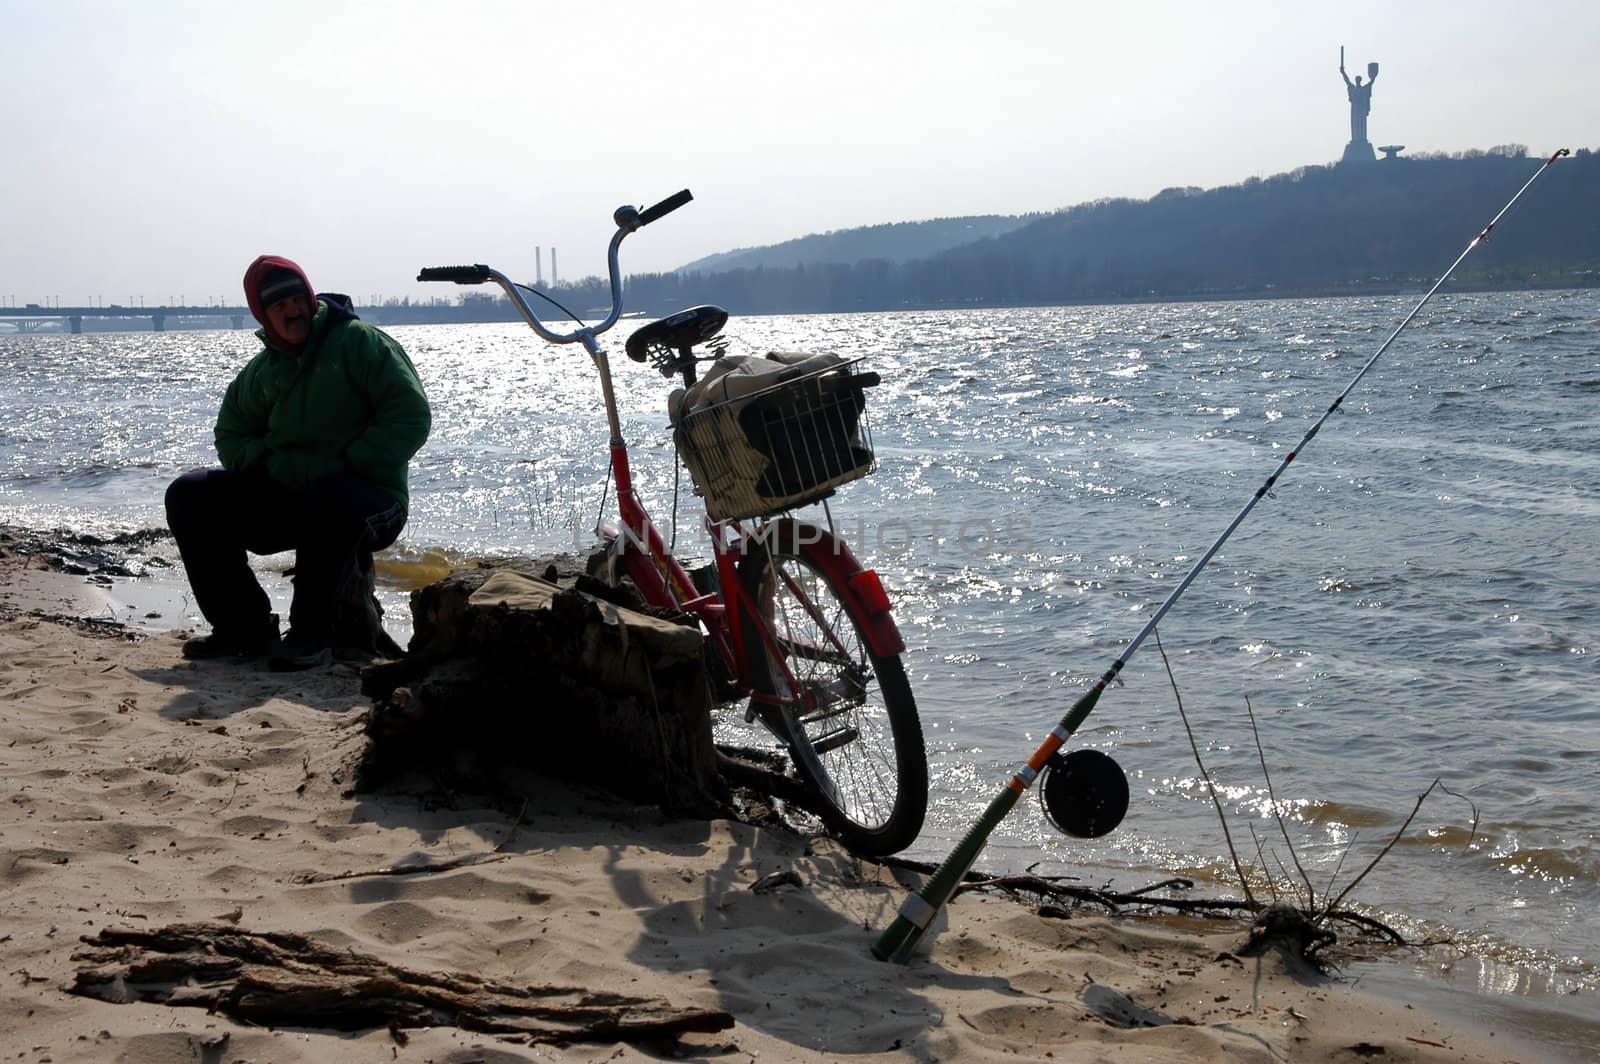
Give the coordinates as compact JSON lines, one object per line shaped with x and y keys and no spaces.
{"x":152,"y":149}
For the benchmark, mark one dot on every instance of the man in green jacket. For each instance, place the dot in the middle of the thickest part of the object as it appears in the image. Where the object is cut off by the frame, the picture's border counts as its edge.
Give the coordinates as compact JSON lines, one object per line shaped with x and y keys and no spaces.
{"x":314,"y":436}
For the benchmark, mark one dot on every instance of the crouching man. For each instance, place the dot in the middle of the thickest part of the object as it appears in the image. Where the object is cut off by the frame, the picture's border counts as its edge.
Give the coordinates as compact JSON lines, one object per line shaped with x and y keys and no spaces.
{"x":314,"y":436}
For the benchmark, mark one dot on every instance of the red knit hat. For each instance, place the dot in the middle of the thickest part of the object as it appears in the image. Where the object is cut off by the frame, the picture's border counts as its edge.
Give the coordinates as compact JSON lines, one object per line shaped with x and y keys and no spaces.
{"x":271,"y":278}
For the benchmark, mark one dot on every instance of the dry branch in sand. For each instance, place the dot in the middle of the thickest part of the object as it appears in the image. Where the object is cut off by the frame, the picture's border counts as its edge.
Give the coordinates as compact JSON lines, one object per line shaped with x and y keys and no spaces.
{"x":1301,"y":931}
{"x":288,"y":979}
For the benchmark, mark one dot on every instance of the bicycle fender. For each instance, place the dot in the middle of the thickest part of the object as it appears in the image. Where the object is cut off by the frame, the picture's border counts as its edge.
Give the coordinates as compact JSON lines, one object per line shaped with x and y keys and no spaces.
{"x":861,"y":585}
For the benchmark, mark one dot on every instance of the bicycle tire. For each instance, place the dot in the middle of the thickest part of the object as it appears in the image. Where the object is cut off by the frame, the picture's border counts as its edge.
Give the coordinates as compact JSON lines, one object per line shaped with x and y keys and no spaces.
{"x":856,"y":742}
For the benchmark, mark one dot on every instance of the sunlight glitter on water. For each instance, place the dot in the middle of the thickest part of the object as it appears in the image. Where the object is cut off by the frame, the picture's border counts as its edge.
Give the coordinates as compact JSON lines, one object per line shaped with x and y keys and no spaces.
{"x":1413,"y":600}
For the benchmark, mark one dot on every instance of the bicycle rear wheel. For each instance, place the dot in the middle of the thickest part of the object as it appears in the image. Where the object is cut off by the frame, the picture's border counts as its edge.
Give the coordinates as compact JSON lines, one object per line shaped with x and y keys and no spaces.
{"x":851,"y":721}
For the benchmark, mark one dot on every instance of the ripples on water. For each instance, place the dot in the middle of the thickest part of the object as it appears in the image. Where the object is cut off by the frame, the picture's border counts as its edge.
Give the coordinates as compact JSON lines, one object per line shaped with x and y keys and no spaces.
{"x":1414,"y":600}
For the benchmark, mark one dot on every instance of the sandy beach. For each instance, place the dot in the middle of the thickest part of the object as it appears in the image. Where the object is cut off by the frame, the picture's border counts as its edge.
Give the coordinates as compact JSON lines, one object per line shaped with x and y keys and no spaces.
{"x":145,"y":791}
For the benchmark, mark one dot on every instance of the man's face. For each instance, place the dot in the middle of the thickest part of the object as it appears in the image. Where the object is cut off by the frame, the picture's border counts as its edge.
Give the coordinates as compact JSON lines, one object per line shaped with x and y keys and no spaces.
{"x":290,"y":319}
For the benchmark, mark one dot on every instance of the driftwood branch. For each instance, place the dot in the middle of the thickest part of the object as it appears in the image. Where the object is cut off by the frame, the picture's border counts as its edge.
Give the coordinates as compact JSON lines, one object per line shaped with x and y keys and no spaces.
{"x":1113,"y":901}
{"x":1368,"y":923}
{"x":287,"y":979}
{"x":1175,"y":883}
{"x":1142,"y":900}
{"x":406,"y":869}
{"x":1014,"y":887}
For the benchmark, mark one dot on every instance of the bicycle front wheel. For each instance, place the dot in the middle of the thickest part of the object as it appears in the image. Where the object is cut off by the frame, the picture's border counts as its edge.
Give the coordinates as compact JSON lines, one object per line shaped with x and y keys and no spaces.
{"x":852,"y":725}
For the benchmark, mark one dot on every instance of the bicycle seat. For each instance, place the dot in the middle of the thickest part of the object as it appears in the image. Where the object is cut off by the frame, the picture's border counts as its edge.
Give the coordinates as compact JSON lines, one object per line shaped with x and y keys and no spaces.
{"x":678,"y":332}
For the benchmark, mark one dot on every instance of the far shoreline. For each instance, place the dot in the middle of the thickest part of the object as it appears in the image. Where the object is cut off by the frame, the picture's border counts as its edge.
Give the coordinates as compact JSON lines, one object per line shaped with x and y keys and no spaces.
{"x":472,"y":314}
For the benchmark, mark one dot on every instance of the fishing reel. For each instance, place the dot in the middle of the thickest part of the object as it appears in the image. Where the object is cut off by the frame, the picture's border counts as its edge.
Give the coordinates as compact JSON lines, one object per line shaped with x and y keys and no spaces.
{"x":1084,"y":794}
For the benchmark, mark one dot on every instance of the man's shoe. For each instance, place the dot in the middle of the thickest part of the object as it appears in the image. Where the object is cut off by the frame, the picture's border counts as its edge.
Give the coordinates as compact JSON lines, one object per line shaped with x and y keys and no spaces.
{"x":296,"y":652}
{"x":228,"y":644}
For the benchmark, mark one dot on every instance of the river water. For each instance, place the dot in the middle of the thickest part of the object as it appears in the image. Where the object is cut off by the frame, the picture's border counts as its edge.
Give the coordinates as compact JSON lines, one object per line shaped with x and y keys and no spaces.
{"x":1414,"y":601}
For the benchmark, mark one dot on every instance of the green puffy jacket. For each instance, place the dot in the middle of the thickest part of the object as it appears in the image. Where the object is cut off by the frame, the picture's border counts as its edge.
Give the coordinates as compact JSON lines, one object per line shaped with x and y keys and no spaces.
{"x":351,"y":400}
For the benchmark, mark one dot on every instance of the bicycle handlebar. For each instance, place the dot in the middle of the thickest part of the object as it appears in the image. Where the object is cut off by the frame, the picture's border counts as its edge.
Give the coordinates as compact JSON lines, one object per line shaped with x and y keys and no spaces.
{"x":666,"y":206}
{"x":459,"y":274}
{"x":628,"y":220}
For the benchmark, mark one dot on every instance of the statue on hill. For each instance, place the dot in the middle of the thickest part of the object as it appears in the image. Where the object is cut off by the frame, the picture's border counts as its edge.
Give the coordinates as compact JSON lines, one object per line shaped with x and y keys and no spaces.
{"x":1359,"y":149}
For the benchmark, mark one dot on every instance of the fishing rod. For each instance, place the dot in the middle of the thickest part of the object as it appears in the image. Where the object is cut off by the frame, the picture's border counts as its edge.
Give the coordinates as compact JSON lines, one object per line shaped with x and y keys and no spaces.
{"x":901,"y":937}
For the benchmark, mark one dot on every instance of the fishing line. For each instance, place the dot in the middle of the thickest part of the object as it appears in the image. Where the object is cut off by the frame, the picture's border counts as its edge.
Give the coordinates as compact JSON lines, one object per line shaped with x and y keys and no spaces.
{"x":900,"y":938}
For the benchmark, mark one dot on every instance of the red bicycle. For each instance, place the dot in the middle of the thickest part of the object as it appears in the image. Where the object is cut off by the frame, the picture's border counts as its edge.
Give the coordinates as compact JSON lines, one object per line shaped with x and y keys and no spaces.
{"x":797,"y":629}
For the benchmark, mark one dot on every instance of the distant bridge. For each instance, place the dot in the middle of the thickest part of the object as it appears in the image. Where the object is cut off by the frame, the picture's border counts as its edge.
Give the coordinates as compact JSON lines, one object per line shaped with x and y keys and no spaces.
{"x":35,"y":319}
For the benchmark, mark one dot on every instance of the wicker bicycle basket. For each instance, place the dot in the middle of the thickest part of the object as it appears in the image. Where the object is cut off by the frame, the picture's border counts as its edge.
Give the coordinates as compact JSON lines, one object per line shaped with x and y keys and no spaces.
{"x":784,"y":446}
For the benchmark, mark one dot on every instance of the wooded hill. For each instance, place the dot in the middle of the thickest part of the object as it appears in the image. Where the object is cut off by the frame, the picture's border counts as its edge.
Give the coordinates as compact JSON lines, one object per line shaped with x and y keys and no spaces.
{"x":1393,"y":225}
{"x":895,"y":242}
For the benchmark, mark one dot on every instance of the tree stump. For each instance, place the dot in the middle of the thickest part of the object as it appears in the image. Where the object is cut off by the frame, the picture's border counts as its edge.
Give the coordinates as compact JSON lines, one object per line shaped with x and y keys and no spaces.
{"x":513,"y":667}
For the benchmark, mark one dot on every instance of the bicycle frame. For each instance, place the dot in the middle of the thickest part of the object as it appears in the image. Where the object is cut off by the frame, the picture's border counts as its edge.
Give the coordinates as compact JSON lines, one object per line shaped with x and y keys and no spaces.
{"x":663,"y":581}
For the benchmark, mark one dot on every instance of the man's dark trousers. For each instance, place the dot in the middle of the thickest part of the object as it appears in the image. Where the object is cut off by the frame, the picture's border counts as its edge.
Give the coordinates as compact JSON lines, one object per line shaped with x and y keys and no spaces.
{"x":218,"y":515}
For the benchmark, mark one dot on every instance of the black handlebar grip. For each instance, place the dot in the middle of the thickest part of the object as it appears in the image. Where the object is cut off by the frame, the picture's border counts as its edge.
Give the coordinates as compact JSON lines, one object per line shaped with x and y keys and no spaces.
{"x":666,"y":206}
{"x":459,"y":274}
